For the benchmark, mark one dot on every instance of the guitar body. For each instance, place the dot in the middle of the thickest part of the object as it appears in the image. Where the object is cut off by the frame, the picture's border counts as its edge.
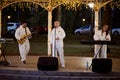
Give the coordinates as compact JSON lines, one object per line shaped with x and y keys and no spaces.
{"x":23,"y":39}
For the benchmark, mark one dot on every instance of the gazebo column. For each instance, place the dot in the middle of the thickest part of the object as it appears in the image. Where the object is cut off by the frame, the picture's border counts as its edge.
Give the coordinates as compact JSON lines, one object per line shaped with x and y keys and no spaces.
{"x":0,"y":22}
{"x":0,"y":27}
{"x":49,"y":30}
{"x":96,"y":7}
{"x":96,"y":20}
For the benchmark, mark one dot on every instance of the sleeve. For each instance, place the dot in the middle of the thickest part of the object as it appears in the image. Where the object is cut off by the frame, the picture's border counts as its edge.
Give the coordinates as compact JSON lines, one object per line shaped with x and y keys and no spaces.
{"x":62,"y":35}
{"x":52,"y":37}
{"x":109,"y":37}
{"x":17,"y":35}
{"x":28,"y":31}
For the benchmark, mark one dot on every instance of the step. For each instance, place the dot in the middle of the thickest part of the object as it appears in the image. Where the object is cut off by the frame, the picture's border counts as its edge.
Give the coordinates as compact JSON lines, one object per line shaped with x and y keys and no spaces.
{"x":6,"y":74}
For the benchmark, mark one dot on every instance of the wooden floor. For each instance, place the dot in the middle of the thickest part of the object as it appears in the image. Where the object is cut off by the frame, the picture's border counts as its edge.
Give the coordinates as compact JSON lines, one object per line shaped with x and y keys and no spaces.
{"x":75,"y":70}
{"x":77,"y":64}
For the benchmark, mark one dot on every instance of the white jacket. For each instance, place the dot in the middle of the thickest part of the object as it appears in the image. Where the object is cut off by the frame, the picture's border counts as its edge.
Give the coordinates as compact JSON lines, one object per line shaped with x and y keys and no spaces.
{"x":57,"y":33}
{"x":101,"y":36}
{"x":21,"y":31}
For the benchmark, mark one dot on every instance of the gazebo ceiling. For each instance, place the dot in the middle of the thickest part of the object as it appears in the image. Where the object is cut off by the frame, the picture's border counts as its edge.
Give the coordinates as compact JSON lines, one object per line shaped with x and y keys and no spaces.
{"x":52,"y":3}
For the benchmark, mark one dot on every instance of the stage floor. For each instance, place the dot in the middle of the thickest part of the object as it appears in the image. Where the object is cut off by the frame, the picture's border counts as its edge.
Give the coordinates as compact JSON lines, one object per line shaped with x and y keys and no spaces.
{"x":73,"y":64}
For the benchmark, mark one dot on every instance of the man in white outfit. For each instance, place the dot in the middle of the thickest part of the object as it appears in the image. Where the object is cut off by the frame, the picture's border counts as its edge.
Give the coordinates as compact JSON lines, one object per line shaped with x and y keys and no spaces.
{"x":57,"y":36}
{"x":101,"y":35}
{"x":22,"y":34}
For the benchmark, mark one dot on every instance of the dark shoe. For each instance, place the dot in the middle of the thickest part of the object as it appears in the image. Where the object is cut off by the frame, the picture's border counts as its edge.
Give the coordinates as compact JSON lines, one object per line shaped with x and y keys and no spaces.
{"x":24,"y":62}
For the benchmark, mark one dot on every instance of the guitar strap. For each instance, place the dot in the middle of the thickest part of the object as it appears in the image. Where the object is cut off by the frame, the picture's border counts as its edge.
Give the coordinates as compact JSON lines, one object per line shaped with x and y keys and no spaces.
{"x":25,"y":30}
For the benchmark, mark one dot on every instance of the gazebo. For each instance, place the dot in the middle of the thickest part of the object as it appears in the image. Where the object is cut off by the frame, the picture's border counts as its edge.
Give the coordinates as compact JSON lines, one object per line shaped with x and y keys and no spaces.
{"x":50,"y":5}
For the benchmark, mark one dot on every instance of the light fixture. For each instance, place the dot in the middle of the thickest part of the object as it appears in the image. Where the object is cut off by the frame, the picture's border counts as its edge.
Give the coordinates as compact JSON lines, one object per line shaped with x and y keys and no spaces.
{"x":91,"y":5}
{"x":9,"y":17}
{"x":83,"y":19}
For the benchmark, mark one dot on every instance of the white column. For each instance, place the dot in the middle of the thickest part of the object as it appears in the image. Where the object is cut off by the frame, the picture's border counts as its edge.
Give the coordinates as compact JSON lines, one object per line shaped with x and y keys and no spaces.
{"x":49,"y":30}
{"x":96,"y":20}
{"x":0,"y":22}
{"x":0,"y":28}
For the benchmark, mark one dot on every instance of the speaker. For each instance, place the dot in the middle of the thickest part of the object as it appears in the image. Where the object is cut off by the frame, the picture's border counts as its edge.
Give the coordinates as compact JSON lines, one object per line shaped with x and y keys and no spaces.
{"x":47,"y":63}
{"x":101,"y":65}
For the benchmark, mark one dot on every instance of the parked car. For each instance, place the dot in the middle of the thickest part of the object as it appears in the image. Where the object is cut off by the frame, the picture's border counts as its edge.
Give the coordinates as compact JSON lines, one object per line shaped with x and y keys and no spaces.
{"x":40,"y":29}
{"x":12,"y":26}
{"x":116,"y":31}
{"x":87,"y":29}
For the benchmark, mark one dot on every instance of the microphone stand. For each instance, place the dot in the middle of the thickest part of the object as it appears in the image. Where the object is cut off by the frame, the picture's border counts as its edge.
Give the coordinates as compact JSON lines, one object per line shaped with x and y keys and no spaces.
{"x":55,"y":44}
{"x":97,"y":54}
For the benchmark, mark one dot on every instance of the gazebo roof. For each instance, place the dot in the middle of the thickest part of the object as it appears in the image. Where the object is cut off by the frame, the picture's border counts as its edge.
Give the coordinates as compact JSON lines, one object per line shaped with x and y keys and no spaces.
{"x":54,"y":3}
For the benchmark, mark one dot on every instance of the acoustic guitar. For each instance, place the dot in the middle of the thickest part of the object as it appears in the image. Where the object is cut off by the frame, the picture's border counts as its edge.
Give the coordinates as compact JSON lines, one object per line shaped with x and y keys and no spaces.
{"x":23,"y":39}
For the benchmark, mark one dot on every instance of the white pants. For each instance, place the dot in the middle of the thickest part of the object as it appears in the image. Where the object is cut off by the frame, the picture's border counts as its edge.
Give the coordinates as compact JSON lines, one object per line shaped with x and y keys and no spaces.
{"x":60,"y":51}
{"x":24,"y":49}
{"x":103,"y":51}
